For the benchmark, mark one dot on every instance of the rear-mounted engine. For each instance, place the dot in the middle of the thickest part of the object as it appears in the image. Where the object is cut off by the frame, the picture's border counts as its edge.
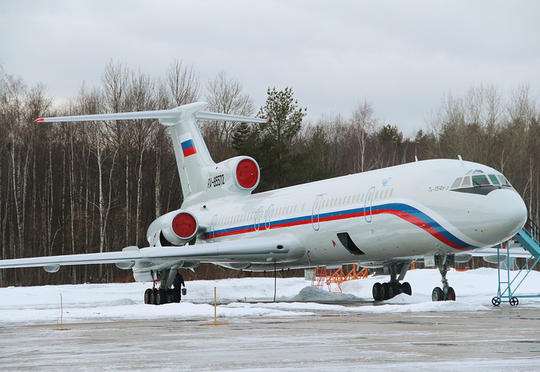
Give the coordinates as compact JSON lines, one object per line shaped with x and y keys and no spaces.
{"x":174,"y":228}
{"x":238,"y":174}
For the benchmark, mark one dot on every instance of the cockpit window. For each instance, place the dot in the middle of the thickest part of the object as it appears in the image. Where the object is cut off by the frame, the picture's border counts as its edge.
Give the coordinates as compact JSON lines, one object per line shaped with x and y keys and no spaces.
{"x":456,"y":183}
{"x":503,"y":180}
{"x":480,"y":180}
{"x":493,"y":179}
{"x":466,"y":182}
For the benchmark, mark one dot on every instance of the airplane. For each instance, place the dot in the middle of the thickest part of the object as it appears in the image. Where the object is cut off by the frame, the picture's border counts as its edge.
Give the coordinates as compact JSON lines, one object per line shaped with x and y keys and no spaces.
{"x":439,"y":211}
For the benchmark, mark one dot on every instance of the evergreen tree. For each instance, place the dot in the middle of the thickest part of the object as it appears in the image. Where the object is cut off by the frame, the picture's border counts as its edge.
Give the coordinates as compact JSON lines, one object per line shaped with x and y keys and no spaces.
{"x":276,"y":154}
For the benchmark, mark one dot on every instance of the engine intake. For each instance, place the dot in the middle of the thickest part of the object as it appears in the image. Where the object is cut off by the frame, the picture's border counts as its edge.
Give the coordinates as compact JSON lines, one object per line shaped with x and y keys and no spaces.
{"x":247,"y":173}
{"x":238,"y":174}
{"x":184,"y":225}
{"x":174,"y":228}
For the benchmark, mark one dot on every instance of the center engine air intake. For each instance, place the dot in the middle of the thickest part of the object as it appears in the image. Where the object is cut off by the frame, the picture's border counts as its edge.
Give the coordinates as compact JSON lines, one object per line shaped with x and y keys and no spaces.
{"x":240,"y":174}
{"x":247,"y":173}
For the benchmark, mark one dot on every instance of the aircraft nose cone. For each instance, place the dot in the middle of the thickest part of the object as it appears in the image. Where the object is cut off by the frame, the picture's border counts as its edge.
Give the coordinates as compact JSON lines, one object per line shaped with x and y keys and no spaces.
{"x":509,"y":212}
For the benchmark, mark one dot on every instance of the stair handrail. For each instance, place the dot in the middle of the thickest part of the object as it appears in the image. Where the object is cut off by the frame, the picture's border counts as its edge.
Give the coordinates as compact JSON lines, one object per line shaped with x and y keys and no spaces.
{"x":532,"y":229}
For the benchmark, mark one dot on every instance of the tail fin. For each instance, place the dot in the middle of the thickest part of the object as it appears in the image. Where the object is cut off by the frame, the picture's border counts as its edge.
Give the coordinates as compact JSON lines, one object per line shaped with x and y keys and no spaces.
{"x":192,"y":156}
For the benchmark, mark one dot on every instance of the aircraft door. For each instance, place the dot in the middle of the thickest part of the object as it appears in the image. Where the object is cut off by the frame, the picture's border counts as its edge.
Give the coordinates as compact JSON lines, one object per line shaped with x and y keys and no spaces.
{"x":316,"y":212}
{"x":268,"y":216}
{"x":258,"y":218}
{"x":368,"y":204}
{"x":212,"y":227}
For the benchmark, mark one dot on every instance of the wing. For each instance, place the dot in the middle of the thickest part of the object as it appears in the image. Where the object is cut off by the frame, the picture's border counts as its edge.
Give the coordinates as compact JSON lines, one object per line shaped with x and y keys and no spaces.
{"x":245,"y":250}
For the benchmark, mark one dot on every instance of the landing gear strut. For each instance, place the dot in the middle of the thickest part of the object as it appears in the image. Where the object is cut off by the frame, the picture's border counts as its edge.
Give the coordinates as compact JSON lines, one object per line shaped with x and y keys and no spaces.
{"x":388,"y":290}
{"x":446,"y":293}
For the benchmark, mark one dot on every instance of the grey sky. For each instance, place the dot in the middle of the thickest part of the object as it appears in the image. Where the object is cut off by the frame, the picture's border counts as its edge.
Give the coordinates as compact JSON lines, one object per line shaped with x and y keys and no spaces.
{"x":401,"y":56}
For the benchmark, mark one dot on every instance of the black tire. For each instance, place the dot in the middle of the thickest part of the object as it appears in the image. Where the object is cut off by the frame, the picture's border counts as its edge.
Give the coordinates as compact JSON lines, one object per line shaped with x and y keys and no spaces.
{"x":377,"y":292}
{"x":406,"y":288}
{"x":162,"y":296}
{"x":450,"y":294}
{"x":147,"y":296}
{"x":514,"y":301}
{"x":496,"y":301}
{"x":387,"y":291}
{"x":154,"y":297}
{"x":437,"y":294}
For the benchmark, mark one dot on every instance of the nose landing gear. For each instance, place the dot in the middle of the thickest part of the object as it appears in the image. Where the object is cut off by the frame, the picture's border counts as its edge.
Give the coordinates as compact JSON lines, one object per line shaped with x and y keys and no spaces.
{"x":446,"y":293}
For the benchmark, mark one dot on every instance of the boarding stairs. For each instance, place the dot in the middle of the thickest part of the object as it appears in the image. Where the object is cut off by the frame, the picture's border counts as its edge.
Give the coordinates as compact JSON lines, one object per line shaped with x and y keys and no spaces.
{"x":509,"y":282}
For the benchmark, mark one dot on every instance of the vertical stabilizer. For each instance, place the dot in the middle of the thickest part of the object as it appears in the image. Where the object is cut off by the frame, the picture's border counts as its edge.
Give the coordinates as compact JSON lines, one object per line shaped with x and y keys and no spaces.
{"x":192,"y":156}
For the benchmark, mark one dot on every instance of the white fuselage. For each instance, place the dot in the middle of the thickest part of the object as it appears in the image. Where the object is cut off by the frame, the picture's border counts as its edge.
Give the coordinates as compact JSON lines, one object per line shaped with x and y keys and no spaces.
{"x":398,"y":212}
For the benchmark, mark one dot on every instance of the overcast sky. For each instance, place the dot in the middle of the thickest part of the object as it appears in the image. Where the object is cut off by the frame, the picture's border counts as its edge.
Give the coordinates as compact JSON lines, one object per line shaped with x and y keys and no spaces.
{"x":400,"y":56}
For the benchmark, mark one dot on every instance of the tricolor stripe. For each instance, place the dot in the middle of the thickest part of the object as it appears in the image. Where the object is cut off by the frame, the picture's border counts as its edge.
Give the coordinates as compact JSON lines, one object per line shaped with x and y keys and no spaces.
{"x":401,"y":210}
{"x":188,"y":148}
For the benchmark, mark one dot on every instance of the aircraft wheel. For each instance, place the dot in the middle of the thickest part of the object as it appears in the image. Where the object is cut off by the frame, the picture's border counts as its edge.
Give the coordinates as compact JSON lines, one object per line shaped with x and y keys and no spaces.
{"x":154,"y":297}
{"x":514,"y":301}
{"x":396,"y":288}
{"x":387,"y":291}
{"x":406,"y":288}
{"x":437,"y":294}
{"x":450,"y":294}
{"x":162,"y":296}
{"x":147,"y":296}
{"x":377,"y":292}
{"x":496,"y":301}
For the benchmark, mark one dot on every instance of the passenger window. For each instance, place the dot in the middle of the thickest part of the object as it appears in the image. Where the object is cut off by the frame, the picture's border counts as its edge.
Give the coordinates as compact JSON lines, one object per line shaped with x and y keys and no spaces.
{"x":479,"y":180}
{"x":456,"y":183}
{"x":494,"y":179}
{"x":466,"y":182}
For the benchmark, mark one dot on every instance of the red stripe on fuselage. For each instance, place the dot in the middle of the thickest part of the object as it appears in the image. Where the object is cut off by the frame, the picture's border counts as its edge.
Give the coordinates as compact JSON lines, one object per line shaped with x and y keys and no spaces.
{"x":421,"y":224}
{"x":403,"y":215}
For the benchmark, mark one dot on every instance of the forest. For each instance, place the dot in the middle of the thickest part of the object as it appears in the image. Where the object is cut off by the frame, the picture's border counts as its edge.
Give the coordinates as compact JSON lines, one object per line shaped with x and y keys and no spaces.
{"x":95,"y":187}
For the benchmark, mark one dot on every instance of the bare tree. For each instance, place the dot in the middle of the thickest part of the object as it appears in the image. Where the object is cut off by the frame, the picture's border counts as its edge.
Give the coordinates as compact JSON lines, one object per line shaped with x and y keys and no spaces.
{"x":225,"y":95}
{"x":364,"y":122}
{"x":183,"y":83}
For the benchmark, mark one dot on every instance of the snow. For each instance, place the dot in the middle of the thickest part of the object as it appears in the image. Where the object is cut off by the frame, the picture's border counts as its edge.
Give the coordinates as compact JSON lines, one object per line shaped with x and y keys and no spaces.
{"x":251,"y":298}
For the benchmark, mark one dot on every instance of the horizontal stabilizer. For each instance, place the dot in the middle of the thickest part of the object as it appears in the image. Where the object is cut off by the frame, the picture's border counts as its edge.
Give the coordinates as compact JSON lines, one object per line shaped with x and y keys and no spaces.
{"x":207,"y":115}
{"x":166,"y":116}
{"x":157,"y":114}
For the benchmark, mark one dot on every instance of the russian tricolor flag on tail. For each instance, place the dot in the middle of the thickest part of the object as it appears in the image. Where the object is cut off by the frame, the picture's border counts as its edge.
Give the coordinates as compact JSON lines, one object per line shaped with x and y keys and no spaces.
{"x":188,"y":148}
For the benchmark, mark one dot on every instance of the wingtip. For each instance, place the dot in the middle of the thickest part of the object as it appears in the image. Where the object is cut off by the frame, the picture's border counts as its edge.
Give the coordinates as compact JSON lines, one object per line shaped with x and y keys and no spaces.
{"x":39,"y":120}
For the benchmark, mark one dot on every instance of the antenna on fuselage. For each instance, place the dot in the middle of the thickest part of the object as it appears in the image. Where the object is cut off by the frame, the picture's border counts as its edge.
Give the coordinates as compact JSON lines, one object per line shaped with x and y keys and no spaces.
{"x":460,"y":159}
{"x":415,"y":158}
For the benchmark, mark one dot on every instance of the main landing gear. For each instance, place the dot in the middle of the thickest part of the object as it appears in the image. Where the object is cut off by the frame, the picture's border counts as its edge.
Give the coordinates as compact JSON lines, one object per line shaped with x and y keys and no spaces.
{"x":388,"y":290}
{"x":163,"y":294}
{"x":155,"y":296}
{"x":446,"y":293}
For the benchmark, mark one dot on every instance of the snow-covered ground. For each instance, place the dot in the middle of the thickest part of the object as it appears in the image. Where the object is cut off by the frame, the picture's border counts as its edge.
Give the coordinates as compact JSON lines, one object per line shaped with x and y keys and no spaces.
{"x":251,"y":297}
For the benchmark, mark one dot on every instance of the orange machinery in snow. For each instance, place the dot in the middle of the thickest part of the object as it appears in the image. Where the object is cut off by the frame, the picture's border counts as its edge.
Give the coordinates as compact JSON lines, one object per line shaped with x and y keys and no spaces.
{"x":322,"y":276}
